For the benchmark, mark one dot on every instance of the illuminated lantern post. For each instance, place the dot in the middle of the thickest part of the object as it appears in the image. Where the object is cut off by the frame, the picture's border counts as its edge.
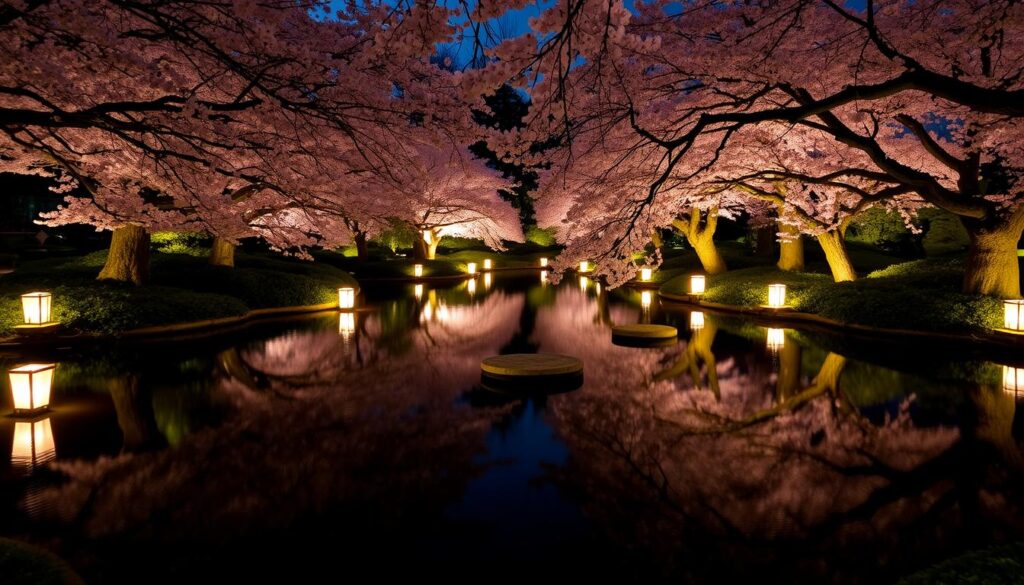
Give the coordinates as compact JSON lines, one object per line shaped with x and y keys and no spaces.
{"x":33,"y":445}
{"x":36,"y":307}
{"x":776,"y":296}
{"x":346,"y":298}
{"x":417,"y":270}
{"x":645,"y":275}
{"x":1013,"y":380}
{"x":584,"y":266}
{"x":346,"y":325}
{"x":487,"y":263}
{"x":697,"y":284}
{"x":696,"y":320}
{"x":30,"y":387}
{"x":1013,"y":314}
{"x":645,"y":300}
{"x":471,"y":268}
{"x":543,"y":262}
{"x":776,"y":339}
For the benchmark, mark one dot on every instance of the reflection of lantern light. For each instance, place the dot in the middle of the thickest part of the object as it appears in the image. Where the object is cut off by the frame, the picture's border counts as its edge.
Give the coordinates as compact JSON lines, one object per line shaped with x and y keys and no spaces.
{"x":776,"y":339}
{"x":487,"y":264}
{"x":584,"y":266}
{"x":543,"y":262}
{"x":471,"y":286}
{"x":418,"y":291}
{"x":471,"y":268}
{"x":697,"y":282}
{"x":696,"y":321}
{"x":487,"y":281}
{"x":645,"y":274}
{"x":346,"y":297}
{"x":30,"y":386}
{"x":417,"y":270}
{"x":346,"y":324}
{"x":776,"y":295}
{"x":584,"y":283}
{"x":36,"y":307}
{"x":1013,"y":379}
{"x":1013,"y":314}
{"x":597,"y":287}
{"x":544,"y":277}
{"x":33,"y":444}
{"x":645,"y":299}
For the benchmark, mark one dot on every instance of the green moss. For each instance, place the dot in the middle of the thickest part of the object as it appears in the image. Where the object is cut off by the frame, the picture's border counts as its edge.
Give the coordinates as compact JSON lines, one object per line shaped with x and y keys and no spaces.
{"x":998,"y":565}
{"x":921,"y":295}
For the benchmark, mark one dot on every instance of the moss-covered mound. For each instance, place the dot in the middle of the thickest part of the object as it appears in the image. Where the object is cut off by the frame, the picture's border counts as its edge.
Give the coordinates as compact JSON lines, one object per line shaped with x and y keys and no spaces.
{"x":998,"y":565}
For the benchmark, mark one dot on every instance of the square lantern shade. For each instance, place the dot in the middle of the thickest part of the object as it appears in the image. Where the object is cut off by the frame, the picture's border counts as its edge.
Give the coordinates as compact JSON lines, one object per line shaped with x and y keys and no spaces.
{"x":30,"y":387}
{"x":471,"y":268}
{"x":776,"y":295}
{"x":417,"y":270}
{"x":36,"y":307}
{"x":33,"y":445}
{"x":697,"y":282}
{"x":487,"y":264}
{"x":696,"y":320}
{"x":1013,"y":314}
{"x":543,"y":262}
{"x":346,"y":298}
{"x":1013,"y":380}
{"x":645,"y":274}
{"x":584,"y":266}
{"x":776,"y":339}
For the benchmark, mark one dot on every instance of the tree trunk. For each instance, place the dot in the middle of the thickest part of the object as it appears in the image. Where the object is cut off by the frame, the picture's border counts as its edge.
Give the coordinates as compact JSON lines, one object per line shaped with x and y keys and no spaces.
{"x":134,"y":415}
{"x":419,"y":249}
{"x":222,"y":253}
{"x":432,"y":248}
{"x":656,"y":239}
{"x":710,"y":259}
{"x":424,"y":250}
{"x":992,"y":267}
{"x":832,"y":243}
{"x":361,"y":247}
{"x":701,"y":235}
{"x":128,"y":258}
{"x":788,"y":382}
{"x":791,"y":249}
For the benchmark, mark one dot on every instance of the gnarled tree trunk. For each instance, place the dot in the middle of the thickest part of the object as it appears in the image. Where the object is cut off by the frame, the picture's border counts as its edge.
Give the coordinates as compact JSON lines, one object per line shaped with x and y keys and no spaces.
{"x":222,"y":253}
{"x":128,"y":258}
{"x":833,"y":244}
{"x":701,"y":235}
{"x":423,"y":249}
{"x":362,"y":249}
{"x":992,"y":265}
{"x":791,"y":249}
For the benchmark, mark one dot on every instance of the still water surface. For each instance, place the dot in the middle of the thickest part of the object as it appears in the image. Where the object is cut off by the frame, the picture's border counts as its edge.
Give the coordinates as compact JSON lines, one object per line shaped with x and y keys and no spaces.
{"x":353,"y":446}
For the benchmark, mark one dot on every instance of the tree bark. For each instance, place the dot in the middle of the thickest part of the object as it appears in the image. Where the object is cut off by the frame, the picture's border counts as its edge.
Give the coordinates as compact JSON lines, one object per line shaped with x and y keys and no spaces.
{"x":833,"y":244}
{"x":791,"y":249}
{"x":701,"y":235}
{"x":128,"y":257}
{"x":788,"y":382}
{"x":362,"y":249}
{"x":222,"y":253}
{"x":423,"y":250}
{"x":134,"y":415}
{"x":992,"y":265}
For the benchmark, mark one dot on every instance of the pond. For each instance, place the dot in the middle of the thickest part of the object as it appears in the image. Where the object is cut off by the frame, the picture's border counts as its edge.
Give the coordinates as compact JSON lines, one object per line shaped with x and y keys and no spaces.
{"x":353,"y":445}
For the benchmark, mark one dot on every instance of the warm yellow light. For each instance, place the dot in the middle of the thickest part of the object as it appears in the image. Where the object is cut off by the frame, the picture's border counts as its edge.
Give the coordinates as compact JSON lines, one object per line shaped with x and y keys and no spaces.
{"x":697,"y":283}
{"x":776,"y":339}
{"x":696,"y":320}
{"x":487,"y":264}
{"x":544,"y":278}
{"x":584,"y":266}
{"x":346,"y":297}
{"x":471,"y":286}
{"x":487,"y":281}
{"x":36,"y":307}
{"x":30,"y":386}
{"x":1013,"y":379}
{"x":33,"y":444}
{"x":543,"y":262}
{"x":428,"y":236}
{"x":584,"y":283}
{"x":471,"y":268}
{"x":645,"y":299}
{"x":1013,"y":314}
{"x":417,"y":270}
{"x":417,"y":291}
{"x":645,"y":274}
{"x":346,"y":324}
{"x":776,"y":295}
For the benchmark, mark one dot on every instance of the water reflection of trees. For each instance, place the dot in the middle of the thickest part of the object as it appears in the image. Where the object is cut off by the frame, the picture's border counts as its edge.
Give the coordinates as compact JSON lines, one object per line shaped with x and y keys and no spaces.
{"x":759,"y":467}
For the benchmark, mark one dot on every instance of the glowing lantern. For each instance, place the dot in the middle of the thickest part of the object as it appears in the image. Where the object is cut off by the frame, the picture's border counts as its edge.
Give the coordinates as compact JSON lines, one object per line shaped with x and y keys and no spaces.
{"x":645,"y":275}
{"x":584,"y":266}
{"x":471,"y":268}
{"x":487,"y":264}
{"x":696,"y":321}
{"x":487,"y":281}
{"x":776,"y":339}
{"x":584,"y":283}
{"x":776,"y":295}
{"x":1013,"y":379}
{"x":346,"y":297}
{"x":645,"y":299}
{"x":33,"y":444}
{"x":417,"y":291}
{"x":471,"y":286}
{"x":346,"y":325}
{"x":543,"y":262}
{"x":1013,"y":314}
{"x":36,"y":307}
{"x":417,"y":270}
{"x":30,"y":386}
{"x":697,"y":282}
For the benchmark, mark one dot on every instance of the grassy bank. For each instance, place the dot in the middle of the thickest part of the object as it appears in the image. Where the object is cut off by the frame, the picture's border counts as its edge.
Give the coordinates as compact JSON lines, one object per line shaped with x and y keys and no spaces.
{"x":183,"y":288}
{"x":997,"y":565}
{"x":921,"y":294}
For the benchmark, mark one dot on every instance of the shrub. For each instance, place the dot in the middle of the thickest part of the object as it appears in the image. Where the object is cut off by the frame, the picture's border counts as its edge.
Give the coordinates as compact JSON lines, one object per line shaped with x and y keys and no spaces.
{"x":543,"y":237}
{"x":190,"y":243}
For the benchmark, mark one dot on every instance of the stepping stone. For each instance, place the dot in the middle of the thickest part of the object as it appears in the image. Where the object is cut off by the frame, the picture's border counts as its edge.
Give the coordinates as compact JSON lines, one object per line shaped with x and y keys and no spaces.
{"x":531,"y":373}
{"x":645,"y":332}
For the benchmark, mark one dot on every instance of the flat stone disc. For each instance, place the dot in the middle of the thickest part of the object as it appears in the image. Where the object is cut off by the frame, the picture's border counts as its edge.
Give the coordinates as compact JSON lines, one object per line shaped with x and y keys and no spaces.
{"x":531,"y":365}
{"x":643,"y":331}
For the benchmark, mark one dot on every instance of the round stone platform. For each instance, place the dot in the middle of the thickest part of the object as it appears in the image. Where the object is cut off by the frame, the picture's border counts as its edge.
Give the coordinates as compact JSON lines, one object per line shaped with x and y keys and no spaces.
{"x":643,"y":331}
{"x":531,"y":365}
